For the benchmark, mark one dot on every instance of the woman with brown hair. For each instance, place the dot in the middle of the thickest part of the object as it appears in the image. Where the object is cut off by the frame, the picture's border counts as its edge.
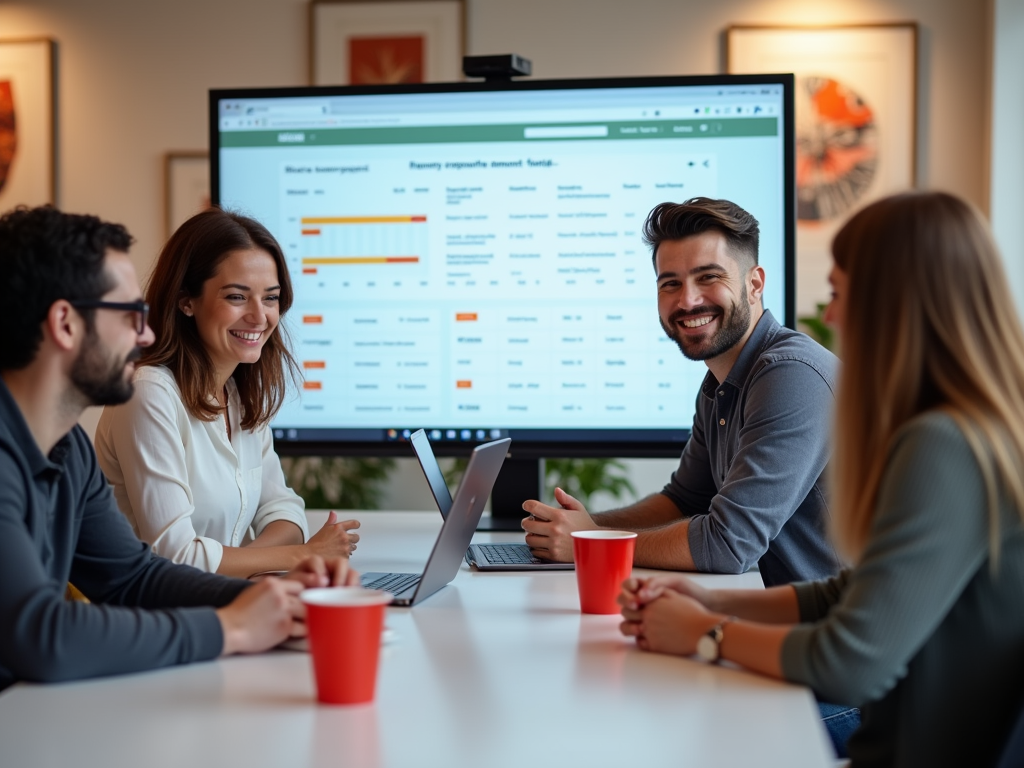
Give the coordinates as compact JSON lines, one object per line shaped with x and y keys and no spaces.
{"x":190,"y":456}
{"x":925,"y":631}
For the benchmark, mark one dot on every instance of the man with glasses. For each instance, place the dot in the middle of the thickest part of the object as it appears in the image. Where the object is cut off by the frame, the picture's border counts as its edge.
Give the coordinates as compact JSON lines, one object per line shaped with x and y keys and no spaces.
{"x":107,"y":387}
{"x":74,"y":323}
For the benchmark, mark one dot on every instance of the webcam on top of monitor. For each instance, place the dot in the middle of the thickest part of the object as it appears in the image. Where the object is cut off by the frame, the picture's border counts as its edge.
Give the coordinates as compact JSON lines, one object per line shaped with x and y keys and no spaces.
{"x":500,"y":67}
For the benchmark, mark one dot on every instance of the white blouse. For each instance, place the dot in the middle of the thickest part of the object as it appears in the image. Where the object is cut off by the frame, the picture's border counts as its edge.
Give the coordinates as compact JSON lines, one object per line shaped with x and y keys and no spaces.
{"x":186,"y":489}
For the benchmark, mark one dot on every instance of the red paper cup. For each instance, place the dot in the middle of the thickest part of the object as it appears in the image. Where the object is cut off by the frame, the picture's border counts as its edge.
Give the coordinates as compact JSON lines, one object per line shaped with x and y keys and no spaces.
{"x":604,"y":559}
{"x":344,"y":625}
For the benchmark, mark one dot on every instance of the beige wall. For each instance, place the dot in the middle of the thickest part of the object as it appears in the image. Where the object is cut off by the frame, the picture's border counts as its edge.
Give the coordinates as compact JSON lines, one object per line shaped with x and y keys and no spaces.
{"x":134,"y":74}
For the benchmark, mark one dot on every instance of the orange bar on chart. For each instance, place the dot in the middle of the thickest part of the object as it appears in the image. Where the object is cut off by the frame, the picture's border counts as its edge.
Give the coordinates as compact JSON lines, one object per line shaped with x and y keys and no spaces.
{"x":362,"y":220}
{"x":311,"y":231}
{"x":307,"y":364}
{"x":327,"y":260}
{"x":309,"y":270}
{"x":464,"y":384}
{"x":312,"y":385}
{"x":313,"y":319}
{"x":465,"y":317}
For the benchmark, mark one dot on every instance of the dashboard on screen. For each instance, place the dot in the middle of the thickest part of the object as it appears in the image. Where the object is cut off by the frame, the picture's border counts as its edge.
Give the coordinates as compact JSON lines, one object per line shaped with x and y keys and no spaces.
{"x":467,"y":258}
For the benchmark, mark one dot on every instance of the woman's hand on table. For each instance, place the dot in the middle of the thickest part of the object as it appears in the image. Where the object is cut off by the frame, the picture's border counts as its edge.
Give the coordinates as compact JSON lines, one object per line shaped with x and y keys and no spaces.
{"x":315,"y":571}
{"x":335,"y":539}
{"x":637,"y":592}
{"x":670,"y":623}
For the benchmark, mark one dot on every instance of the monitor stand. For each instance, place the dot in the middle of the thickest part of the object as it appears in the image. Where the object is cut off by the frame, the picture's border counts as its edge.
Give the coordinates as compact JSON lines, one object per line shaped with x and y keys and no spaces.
{"x":519,"y":480}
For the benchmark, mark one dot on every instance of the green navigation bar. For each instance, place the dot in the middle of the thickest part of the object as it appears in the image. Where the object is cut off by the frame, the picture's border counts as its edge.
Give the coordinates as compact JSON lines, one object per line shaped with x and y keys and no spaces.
{"x":461,"y":134}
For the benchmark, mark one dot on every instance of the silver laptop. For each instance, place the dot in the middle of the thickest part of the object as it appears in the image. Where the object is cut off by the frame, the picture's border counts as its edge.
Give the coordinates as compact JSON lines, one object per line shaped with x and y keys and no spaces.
{"x":486,"y":557}
{"x":456,"y":532}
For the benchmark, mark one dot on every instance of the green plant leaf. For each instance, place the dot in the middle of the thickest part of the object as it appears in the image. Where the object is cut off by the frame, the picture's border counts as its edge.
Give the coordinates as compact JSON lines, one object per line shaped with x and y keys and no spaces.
{"x":816,"y":327}
{"x":583,"y":478}
{"x":333,"y":482}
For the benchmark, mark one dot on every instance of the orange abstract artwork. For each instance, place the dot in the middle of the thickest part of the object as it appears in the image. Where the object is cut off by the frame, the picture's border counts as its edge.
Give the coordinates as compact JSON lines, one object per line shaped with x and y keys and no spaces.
{"x":8,"y":135}
{"x":385,"y":60}
{"x":836,"y":148}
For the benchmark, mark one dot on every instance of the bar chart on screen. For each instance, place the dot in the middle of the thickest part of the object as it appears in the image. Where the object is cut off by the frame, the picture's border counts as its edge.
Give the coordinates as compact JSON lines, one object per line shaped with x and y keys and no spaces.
{"x":346,"y":246}
{"x":389,"y":229}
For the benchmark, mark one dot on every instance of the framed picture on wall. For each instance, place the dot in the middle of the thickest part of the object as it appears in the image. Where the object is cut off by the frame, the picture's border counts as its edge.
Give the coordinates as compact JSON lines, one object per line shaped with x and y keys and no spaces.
{"x":186,"y":187}
{"x":27,"y":164}
{"x":386,"y":41}
{"x":856,"y":124}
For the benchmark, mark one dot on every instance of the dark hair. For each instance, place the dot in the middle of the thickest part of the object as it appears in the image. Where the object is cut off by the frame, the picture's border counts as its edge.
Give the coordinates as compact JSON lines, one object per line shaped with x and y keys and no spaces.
{"x":187,"y":261}
{"x":45,"y":256}
{"x":677,"y":221}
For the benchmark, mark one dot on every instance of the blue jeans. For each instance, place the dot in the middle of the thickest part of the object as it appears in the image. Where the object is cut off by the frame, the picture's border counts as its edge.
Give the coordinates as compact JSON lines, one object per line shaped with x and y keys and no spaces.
{"x":840,"y":722}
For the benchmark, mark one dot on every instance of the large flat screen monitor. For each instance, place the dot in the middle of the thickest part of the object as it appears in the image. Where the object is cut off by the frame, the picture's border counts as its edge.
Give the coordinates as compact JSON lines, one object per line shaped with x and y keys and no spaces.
{"x":467,"y":257}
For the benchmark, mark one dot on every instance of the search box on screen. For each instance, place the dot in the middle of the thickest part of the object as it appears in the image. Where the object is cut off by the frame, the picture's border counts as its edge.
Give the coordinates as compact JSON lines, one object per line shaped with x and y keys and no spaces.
{"x":566,"y":132}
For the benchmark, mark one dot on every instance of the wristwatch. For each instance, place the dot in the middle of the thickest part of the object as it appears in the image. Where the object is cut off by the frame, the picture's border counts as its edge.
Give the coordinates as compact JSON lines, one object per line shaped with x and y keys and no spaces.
{"x":709,"y":645}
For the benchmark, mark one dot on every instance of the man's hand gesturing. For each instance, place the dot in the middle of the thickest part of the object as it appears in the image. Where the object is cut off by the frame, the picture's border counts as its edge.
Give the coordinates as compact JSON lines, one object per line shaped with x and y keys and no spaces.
{"x":548,"y":528}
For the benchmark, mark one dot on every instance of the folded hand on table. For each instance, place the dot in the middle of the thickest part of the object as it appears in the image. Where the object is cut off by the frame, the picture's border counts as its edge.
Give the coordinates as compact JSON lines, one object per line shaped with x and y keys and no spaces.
{"x":316,"y":571}
{"x":270,"y":611}
{"x":666,"y":614}
{"x":637,"y":592}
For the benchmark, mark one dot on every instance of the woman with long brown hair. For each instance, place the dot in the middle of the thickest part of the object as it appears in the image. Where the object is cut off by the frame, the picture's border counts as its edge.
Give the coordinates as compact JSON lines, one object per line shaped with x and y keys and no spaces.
{"x":925,"y":630}
{"x":190,"y":456}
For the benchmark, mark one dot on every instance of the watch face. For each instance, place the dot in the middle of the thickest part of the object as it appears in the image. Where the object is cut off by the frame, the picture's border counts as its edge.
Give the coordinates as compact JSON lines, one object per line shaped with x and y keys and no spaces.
{"x":707,"y":648}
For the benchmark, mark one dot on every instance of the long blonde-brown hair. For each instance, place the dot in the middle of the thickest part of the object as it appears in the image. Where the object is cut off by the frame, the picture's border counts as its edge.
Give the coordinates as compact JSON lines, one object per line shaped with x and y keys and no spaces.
{"x":930,"y":324}
{"x":187,"y":261}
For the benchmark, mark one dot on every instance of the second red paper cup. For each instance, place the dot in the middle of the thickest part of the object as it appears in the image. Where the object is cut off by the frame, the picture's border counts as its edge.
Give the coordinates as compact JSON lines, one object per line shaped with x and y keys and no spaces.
{"x":344,"y":626}
{"x":604,"y":559}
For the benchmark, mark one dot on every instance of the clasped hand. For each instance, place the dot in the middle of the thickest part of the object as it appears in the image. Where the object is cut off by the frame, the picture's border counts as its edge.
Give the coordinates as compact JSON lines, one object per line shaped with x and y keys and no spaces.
{"x":270,"y":611}
{"x":666,"y":614}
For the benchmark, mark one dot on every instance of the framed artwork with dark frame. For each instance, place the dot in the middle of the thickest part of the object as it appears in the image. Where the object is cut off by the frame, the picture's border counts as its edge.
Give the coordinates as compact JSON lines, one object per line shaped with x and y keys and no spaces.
{"x":28,"y":168}
{"x":386,"y":42}
{"x":186,"y":187}
{"x":856,"y":124}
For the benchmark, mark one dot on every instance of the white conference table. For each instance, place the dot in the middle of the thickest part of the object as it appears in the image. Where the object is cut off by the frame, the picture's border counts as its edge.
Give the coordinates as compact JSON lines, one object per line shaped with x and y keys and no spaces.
{"x":495,"y":670}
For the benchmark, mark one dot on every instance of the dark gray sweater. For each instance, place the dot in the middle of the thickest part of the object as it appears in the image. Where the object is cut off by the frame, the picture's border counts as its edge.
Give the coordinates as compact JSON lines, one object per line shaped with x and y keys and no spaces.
{"x":59,"y":523}
{"x":921,"y":634}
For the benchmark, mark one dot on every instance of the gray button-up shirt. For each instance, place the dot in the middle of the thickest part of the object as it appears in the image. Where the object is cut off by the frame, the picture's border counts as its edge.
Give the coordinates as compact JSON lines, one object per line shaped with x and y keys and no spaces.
{"x":752,"y":476}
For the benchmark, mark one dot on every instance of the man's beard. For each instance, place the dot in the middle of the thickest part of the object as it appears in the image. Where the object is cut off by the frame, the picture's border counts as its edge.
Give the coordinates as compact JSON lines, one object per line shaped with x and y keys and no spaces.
{"x":735,"y":324}
{"x":100,"y":379}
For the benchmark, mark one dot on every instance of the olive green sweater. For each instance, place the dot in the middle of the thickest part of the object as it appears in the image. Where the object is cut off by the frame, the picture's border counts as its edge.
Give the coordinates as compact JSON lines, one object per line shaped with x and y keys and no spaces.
{"x":922,"y":634}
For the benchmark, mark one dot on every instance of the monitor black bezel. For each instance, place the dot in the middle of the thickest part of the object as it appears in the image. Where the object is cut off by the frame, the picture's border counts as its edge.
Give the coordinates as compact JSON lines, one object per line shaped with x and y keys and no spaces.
{"x":526,"y":445}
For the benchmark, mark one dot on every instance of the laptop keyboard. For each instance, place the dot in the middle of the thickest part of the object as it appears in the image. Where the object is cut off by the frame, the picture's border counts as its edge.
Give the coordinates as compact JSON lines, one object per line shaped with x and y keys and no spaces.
{"x":395,"y":583}
{"x":508,"y":554}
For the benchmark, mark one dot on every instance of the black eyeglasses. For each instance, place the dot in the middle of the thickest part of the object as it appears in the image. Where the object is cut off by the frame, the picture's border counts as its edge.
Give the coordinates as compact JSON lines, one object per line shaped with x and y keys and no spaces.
{"x":140,"y":308}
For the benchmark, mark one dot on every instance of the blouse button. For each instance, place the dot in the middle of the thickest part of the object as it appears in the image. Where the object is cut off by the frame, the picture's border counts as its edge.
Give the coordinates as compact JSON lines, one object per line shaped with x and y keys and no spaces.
{"x":722,"y":422}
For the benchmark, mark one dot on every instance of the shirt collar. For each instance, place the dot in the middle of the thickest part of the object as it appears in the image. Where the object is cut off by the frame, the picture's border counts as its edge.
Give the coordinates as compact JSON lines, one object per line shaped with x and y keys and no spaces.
{"x":761,"y":336}
{"x":14,"y":420}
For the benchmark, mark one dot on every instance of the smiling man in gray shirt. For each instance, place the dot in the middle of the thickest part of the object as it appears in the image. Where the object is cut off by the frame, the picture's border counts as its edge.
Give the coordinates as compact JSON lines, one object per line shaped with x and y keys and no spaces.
{"x":750,"y":484}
